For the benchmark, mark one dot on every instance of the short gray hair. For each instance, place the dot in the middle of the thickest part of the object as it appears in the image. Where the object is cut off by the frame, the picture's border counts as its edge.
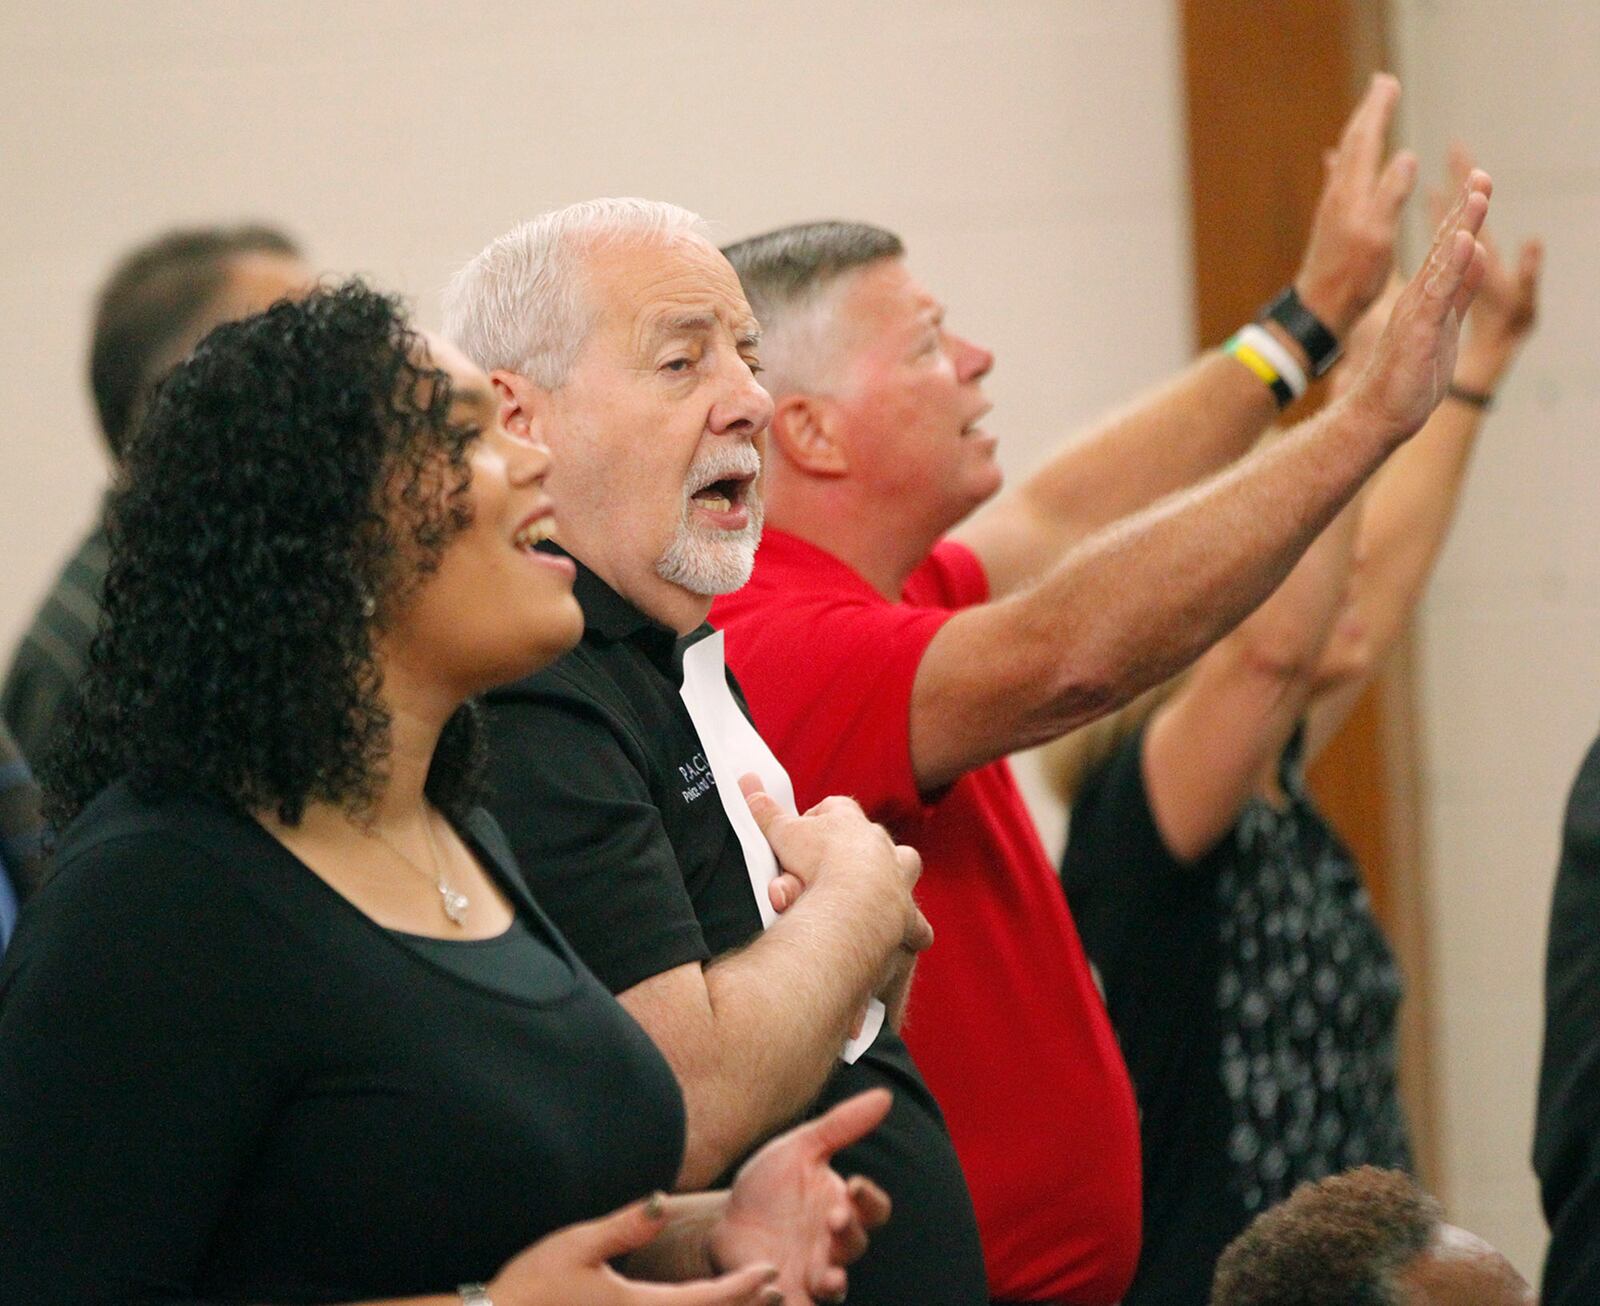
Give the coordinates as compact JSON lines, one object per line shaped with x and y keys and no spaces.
{"x":522,"y":304}
{"x":792,"y":278}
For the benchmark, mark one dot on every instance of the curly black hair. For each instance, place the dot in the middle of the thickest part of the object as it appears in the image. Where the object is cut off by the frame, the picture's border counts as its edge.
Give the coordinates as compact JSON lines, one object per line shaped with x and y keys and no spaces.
{"x":290,"y":481}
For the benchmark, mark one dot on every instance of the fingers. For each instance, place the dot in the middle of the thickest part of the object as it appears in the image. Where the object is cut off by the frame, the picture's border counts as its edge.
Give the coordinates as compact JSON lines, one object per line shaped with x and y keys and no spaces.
{"x":762,"y":805}
{"x":1395,"y":183}
{"x":1455,"y":247}
{"x":751,"y":1286}
{"x":1471,"y":278}
{"x":622,"y":1231}
{"x":859,"y":1023}
{"x":849,"y":1122}
{"x":785,"y":891}
{"x":910,"y":863}
{"x":1530,"y":263}
{"x":1361,"y":144}
{"x":871,"y":1203}
{"x":919,"y":933}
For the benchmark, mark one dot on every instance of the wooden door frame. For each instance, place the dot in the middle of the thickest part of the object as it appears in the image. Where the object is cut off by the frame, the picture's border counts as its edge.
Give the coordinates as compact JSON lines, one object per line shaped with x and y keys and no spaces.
{"x":1268,"y":86}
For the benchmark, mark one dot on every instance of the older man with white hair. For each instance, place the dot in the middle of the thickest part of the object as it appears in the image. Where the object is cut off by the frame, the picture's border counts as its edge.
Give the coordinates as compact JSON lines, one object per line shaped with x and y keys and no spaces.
{"x":615,"y":332}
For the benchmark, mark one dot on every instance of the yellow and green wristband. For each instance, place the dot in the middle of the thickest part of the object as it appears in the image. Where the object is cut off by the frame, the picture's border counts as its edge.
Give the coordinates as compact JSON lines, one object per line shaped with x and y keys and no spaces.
{"x":1260,"y":351}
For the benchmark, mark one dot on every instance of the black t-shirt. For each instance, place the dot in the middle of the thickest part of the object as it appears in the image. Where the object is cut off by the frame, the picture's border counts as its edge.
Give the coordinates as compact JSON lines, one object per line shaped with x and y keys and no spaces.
{"x":596,"y":774}
{"x":221,"y":1081}
{"x":1255,"y":1000}
{"x":1566,"y":1141}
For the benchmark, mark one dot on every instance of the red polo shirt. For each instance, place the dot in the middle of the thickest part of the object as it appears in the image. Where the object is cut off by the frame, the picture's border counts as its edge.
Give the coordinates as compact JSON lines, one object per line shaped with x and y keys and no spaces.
{"x":1005,"y":1020}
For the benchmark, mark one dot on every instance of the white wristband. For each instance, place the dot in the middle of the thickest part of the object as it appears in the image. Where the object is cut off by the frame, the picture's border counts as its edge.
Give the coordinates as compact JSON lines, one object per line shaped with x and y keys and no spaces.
{"x":1270,"y":348}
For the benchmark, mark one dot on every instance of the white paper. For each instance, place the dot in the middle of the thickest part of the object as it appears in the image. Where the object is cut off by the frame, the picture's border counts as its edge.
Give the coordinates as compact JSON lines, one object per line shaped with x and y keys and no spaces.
{"x":732,"y":749}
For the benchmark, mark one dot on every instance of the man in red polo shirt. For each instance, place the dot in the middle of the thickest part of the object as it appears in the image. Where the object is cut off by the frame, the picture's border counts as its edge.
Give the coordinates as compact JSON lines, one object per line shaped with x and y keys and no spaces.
{"x":883,"y":659}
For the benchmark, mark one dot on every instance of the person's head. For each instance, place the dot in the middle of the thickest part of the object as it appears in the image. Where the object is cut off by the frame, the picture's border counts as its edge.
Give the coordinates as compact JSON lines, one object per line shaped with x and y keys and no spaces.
{"x":166,"y":294}
{"x":1366,"y":1238}
{"x":871,"y":389}
{"x":614,"y":331}
{"x":320,"y":506}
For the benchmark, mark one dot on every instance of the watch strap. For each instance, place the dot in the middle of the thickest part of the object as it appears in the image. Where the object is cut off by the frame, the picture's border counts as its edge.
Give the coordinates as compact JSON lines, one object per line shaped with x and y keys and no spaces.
{"x":1305,"y":327}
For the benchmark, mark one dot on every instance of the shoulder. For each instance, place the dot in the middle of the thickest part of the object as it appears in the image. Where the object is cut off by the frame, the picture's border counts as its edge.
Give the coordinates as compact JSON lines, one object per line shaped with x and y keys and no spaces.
{"x":952,"y":575}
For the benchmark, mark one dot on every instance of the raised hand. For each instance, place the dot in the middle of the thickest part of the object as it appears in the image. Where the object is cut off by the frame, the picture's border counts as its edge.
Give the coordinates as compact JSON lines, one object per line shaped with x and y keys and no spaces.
{"x":1415,"y":356}
{"x":571,"y":1268}
{"x":1507,"y":305}
{"x":1351,"y":250}
{"x":789,"y":1208}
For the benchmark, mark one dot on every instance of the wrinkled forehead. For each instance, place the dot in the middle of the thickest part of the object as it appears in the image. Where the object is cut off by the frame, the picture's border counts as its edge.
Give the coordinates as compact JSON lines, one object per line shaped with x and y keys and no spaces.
{"x":640,"y":290}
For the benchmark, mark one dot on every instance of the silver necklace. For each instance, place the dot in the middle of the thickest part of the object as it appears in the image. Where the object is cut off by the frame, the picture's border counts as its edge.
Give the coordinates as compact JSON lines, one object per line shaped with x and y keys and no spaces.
{"x":452,"y":901}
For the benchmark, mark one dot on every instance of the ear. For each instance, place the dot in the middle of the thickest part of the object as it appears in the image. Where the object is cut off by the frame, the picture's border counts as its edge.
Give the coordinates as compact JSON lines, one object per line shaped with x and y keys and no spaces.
{"x":522,"y":403}
{"x":807,"y":428}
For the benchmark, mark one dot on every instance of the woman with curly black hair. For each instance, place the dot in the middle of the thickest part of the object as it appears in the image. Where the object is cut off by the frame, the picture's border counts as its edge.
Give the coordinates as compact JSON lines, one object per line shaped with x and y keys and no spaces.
{"x":286,"y":1025}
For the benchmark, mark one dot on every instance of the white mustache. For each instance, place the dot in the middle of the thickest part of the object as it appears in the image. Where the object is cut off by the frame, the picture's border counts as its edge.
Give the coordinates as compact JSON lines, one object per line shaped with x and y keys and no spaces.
{"x":720,"y":463}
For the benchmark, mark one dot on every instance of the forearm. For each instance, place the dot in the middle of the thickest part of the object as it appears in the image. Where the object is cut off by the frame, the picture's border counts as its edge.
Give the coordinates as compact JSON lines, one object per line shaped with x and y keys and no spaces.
{"x":1137,"y":602}
{"x":754,"y":1045}
{"x":1187,"y":428}
{"x":1412,"y":504}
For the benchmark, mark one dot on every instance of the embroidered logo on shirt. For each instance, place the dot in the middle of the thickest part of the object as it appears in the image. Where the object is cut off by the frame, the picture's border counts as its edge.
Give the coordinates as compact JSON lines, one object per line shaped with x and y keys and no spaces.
{"x":697,"y":777}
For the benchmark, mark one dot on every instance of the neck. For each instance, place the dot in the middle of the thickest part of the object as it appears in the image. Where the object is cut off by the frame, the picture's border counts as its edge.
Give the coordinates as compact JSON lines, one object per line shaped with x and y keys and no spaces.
{"x":418,"y":710}
{"x":882,"y":547}
{"x":672,"y":605}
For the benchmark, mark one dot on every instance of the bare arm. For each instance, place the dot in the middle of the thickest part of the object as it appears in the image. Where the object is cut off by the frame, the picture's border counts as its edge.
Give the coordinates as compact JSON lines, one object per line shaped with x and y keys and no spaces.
{"x":1141,"y":599}
{"x":1214,"y":410}
{"x":1207,"y":749}
{"x":1413,"y":500}
{"x":753,"y":1035}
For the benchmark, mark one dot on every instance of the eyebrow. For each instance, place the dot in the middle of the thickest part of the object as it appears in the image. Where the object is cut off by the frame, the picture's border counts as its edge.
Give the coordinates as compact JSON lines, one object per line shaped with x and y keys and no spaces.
{"x":747,"y":333}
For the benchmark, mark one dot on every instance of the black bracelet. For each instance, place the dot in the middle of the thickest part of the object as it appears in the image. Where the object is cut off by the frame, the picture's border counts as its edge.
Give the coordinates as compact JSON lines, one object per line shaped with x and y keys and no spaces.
{"x":1306,"y":328}
{"x":1483,"y":400}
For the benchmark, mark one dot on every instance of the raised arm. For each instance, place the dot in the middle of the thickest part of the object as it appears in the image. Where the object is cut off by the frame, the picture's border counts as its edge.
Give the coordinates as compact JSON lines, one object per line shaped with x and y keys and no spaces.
{"x":1214,"y":410}
{"x":1413,"y":499}
{"x":1214,"y":743}
{"x":1139,"y":600}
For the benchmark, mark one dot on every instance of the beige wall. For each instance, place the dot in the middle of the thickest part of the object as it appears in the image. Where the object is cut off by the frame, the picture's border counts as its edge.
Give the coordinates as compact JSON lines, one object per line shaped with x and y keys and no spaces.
{"x":1510,"y":636}
{"x":1031,"y":153}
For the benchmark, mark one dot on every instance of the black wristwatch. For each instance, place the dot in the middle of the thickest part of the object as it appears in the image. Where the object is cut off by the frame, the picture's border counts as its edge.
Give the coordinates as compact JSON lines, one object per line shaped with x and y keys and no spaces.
{"x":1306,"y":328}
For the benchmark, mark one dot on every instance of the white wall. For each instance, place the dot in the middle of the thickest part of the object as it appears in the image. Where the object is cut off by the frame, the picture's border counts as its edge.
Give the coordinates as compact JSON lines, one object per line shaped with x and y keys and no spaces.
{"x":1032,"y":155}
{"x":1511,"y":631}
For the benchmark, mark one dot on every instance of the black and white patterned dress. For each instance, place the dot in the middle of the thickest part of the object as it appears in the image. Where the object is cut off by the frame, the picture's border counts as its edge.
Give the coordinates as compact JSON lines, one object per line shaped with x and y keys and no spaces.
{"x":1256,"y":1000}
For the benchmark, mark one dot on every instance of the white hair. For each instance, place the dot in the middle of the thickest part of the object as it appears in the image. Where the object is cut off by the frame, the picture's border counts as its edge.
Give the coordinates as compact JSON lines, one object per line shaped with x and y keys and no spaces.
{"x":522,"y":304}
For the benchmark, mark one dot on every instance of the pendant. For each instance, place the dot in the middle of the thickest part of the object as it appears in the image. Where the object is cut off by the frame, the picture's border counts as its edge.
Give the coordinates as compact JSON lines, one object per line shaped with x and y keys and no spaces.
{"x":454,"y":903}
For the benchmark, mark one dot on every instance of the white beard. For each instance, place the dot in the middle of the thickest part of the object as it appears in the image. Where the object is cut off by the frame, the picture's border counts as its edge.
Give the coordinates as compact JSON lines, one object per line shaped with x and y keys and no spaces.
{"x":704,"y":559}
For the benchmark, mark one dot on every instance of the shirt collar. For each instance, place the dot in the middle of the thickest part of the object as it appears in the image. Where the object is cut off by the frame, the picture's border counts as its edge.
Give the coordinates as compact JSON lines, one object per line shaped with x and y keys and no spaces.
{"x":610,"y":617}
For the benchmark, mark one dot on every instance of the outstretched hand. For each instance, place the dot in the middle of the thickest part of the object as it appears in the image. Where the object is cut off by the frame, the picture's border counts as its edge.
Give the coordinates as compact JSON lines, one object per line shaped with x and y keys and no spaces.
{"x":1507,"y":304}
{"x":1414,"y":358}
{"x":1351,"y":250}
{"x":789,"y":1208}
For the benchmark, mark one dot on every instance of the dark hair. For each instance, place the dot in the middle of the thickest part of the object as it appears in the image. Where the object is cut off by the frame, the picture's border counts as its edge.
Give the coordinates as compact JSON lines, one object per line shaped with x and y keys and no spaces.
{"x":154,"y":300}
{"x":789,"y":264}
{"x":1339,"y":1242}
{"x":291,"y":479}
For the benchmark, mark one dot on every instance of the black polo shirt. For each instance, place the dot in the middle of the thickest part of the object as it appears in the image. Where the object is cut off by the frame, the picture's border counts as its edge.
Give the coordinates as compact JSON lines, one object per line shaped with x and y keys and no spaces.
{"x":597,"y":775}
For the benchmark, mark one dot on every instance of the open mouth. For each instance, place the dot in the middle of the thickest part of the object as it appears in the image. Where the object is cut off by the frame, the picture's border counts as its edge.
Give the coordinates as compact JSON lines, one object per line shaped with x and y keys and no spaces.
{"x":975,"y":425}
{"x":533,"y":531}
{"x":723,"y":495}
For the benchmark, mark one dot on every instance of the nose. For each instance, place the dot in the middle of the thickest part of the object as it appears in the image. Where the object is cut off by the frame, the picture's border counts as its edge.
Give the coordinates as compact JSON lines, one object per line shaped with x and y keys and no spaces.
{"x":744,"y":409}
{"x":973,"y":361}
